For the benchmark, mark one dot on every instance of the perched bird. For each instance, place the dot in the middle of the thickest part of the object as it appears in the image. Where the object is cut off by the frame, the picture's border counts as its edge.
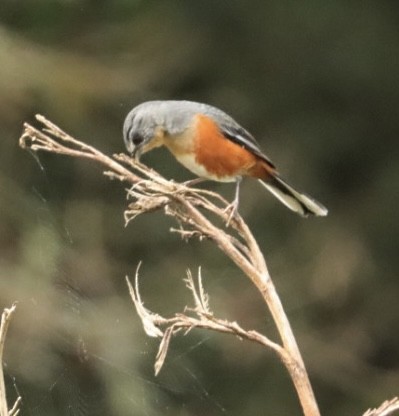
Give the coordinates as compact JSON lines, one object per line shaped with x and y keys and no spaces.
{"x":212,"y":145}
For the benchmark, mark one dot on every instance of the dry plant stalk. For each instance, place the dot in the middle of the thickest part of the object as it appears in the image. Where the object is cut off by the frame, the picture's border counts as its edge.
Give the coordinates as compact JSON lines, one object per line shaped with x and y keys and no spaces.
{"x":150,"y":191}
{"x":387,"y":408}
{"x":5,"y":322}
{"x":200,"y":316}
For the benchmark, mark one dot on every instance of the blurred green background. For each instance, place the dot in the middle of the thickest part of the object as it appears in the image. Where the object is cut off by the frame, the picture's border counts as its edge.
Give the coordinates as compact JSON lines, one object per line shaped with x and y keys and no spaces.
{"x":317,"y":83}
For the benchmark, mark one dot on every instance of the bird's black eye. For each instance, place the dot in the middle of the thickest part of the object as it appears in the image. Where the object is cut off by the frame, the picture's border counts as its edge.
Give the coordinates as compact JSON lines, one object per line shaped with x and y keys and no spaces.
{"x":137,"y":138}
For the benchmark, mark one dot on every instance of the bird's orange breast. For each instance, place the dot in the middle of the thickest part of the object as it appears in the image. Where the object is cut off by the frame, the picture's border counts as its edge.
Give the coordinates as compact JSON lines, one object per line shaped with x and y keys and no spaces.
{"x":222,"y":157}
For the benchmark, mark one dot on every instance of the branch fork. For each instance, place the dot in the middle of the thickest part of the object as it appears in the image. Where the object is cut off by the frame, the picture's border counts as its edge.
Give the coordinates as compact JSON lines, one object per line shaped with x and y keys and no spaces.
{"x":192,"y":209}
{"x":199,"y":316}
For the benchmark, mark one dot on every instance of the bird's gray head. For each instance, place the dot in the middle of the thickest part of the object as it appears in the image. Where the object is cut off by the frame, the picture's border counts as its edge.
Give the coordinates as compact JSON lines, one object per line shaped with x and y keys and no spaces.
{"x":140,"y":128}
{"x":147,"y":124}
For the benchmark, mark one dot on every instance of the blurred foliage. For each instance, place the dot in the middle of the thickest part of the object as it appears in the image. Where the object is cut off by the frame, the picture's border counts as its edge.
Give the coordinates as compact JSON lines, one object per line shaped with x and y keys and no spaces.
{"x":317,"y":84}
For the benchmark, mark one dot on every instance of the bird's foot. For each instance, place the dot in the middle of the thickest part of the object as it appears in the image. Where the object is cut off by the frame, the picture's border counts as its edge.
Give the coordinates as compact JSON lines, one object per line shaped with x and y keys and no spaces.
{"x":231,"y":211}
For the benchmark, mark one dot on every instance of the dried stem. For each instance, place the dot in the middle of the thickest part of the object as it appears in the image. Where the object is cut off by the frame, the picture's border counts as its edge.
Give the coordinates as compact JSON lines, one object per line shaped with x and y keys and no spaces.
{"x":5,"y":322}
{"x":203,"y":318}
{"x":150,"y":191}
{"x":192,"y":209}
{"x":387,"y":408}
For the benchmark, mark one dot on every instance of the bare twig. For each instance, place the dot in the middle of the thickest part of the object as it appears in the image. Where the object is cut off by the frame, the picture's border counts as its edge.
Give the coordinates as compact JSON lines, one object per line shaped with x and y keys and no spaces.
{"x":150,"y":321}
{"x":5,"y":322}
{"x":203,"y":318}
{"x":52,"y":139}
{"x":193,"y":210}
{"x":201,"y":298}
{"x":188,"y":206}
{"x":387,"y":408}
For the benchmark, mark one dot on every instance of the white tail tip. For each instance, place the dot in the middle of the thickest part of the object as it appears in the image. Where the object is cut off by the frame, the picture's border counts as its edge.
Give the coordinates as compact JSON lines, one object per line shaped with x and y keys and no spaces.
{"x":292,"y":199}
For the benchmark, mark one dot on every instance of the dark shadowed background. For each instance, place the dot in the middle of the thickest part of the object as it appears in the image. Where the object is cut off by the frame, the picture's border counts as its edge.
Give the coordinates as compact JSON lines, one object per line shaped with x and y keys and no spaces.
{"x":317,"y":83}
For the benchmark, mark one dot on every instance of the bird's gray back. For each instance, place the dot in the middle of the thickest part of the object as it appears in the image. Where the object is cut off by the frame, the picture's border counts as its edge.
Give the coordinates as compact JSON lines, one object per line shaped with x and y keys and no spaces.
{"x":177,"y":116}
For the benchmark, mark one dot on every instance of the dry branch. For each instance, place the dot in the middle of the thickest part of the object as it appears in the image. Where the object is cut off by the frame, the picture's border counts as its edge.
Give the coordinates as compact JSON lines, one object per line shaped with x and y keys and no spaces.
{"x":189,"y":207}
{"x":201,"y":317}
{"x":387,"y":408}
{"x":197,"y":211}
{"x":5,"y":322}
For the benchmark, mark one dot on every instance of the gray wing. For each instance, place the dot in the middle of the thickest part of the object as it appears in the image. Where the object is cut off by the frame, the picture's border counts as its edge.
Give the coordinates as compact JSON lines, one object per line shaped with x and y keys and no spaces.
{"x":183,"y":112}
{"x":234,"y":132}
{"x":242,"y":137}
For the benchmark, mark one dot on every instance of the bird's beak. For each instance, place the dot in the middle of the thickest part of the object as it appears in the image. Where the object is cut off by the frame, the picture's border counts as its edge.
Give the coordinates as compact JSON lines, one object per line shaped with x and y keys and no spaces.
{"x":136,"y":153}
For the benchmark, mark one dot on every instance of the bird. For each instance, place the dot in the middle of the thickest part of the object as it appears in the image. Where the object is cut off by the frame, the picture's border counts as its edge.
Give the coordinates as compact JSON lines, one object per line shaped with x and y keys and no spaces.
{"x":213,"y":146}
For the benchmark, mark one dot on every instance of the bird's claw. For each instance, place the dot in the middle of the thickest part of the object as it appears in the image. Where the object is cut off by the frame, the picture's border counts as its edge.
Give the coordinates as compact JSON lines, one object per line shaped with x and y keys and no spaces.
{"x":231,"y":211}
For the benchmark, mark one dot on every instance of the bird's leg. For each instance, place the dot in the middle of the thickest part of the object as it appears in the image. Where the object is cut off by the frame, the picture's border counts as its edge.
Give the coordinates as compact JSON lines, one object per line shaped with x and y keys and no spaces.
{"x":232,"y":208}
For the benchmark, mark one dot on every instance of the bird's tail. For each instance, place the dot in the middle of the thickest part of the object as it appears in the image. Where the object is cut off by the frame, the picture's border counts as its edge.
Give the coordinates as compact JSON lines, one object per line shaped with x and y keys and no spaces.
{"x":294,"y":200}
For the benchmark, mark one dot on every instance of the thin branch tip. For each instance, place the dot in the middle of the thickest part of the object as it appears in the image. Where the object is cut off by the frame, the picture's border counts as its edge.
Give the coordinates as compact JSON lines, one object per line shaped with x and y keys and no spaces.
{"x":4,"y":324}
{"x":388,"y":407}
